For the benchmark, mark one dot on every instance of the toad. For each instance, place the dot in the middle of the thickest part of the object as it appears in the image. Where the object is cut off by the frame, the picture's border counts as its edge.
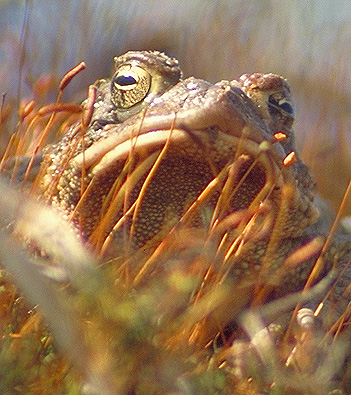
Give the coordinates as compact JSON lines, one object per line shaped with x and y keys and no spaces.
{"x":163,"y":154}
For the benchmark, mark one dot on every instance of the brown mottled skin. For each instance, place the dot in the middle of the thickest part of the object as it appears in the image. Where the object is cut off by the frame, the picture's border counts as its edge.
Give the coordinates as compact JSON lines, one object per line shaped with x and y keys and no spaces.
{"x":209,"y":130}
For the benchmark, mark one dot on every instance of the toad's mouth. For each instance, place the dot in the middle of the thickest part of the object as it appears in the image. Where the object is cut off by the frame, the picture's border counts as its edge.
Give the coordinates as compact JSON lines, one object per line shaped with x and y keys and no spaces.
{"x":144,"y":185}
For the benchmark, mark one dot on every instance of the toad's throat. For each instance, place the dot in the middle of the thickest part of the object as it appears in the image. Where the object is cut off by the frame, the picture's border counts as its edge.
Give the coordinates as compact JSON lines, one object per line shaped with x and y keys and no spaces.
{"x":142,"y":188}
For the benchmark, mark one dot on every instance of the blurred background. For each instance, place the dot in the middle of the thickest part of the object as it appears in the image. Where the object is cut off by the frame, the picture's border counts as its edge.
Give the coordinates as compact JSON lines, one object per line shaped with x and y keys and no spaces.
{"x":308,"y":42}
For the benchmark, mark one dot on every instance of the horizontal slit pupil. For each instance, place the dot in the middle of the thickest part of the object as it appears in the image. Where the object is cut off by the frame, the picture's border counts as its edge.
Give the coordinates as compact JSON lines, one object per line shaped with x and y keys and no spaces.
{"x":286,"y":107}
{"x":124,"y":80}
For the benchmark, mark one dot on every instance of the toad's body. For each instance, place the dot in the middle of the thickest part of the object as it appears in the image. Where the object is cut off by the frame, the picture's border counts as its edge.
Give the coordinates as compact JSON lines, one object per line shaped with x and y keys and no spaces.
{"x":148,"y":165}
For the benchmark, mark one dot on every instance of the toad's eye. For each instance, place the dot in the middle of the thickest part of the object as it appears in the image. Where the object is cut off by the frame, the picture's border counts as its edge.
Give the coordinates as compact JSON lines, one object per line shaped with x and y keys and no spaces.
{"x":130,"y":85}
{"x":281,"y":107}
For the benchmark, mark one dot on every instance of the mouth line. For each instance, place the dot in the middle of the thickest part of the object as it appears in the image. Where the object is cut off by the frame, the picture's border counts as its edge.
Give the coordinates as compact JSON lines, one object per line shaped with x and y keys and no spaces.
{"x":200,"y":145}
